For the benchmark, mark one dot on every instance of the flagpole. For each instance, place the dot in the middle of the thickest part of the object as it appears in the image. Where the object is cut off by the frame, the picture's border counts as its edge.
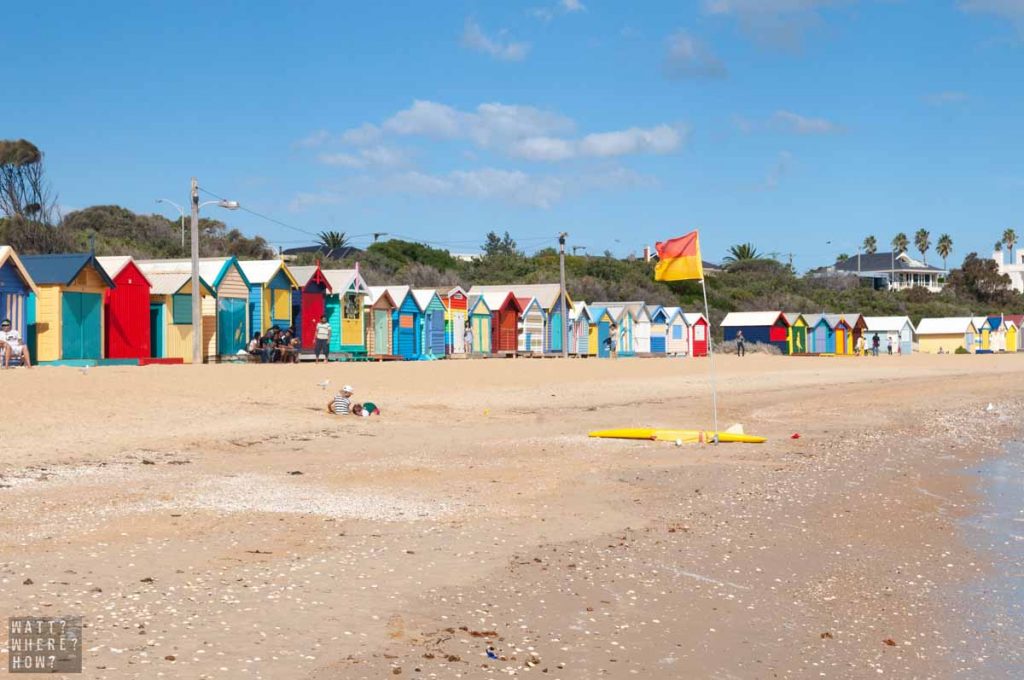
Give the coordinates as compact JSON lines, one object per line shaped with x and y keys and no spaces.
{"x":711,"y":358}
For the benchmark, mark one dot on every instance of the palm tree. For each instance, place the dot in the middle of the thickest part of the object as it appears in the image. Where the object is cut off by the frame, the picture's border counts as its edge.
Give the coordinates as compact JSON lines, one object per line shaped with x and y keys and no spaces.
{"x":923,"y":241}
{"x":870,"y":245}
{"x":333,"y":240}
{"x":944,"y":247}
{"x":742,"y":252}
{"x":900,"y":242}
{"x":1010,"y":239}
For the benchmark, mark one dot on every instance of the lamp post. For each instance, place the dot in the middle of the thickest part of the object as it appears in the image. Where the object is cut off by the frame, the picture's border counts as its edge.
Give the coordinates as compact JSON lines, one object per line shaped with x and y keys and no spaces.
{"x":181,"y":211}
{"x":197,"y":314}
{"x":561,"y":280}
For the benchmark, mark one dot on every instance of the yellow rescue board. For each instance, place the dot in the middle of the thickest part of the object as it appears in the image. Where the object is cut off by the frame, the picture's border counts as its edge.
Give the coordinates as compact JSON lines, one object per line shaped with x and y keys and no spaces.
{"x":688,"y":436}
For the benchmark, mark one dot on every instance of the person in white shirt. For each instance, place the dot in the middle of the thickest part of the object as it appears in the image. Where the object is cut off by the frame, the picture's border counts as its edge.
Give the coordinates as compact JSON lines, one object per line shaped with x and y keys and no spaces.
{"x":12,"y":346}
{"x":322,"y":340}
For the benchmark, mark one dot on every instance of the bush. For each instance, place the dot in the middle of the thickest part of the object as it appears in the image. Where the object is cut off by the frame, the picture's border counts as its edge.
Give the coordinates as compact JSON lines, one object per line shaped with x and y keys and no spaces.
{"x":960,"y":350}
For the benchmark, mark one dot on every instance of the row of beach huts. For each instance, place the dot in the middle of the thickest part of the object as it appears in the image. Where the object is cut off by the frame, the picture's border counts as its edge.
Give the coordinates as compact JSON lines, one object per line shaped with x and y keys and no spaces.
{"x":840,"y":334}
{"x":79,"y":309}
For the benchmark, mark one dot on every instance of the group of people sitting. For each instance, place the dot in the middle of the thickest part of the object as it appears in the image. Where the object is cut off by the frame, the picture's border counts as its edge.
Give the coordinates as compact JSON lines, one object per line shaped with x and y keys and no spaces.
{"x":12,"y":346}
{"x":276,"y":346}
{"x":342,"y":405}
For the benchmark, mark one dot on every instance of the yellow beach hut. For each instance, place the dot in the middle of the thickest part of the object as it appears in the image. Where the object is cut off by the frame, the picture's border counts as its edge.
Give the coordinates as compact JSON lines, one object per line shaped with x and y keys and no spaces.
{"x":270,"y":294}
{"x":170,"y":314}
{"x":945,"y":335}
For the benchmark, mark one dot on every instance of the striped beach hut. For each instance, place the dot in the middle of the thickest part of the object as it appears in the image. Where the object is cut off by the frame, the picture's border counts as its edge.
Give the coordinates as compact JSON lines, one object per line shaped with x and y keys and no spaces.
{"x":945,"y":335}
{"x":16,"y":285}
{"x":767,"y":328}
{"x":456,"y":318}
{"x":343,"y":306}
{"x":531,"y":339}
{"x":580,"y":316}
{"x":66,"y":310}
{"x":270,"y":294}
{"x":170,"y":314}
{"x":432,"y":319}
{"x":677,"y":337}
{"x":126,"y":310}
{"x":797,"y":333}
{"x":659,"y":329}
{"x":309,"y":302}
{"x":898,"y":330}
{"x":480,"y":324}
{"x":549,"y":297}
{"x":697,"y":333}
{"x":634,"y":325}
{"x":378,"y":309}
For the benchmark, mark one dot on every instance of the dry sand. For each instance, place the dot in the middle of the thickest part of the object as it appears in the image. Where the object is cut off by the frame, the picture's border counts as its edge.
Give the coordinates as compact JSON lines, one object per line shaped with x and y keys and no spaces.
{"x":213,"y":522}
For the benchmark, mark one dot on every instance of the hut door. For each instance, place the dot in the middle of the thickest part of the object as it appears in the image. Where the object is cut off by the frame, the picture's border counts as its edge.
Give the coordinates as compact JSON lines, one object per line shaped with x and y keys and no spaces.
{"x":406,"y":335}
{"x":555,"y":324}
{"x":380,"y":332}
{"x":156,"y":330}
{"x":230,"y":325}
{"x":312,"y":310}
{"x":80,"y":325}
{"x":435,"y":332}
{"x":602,"y":335}
{"x":459,"y":333}
{"x":481,"y":334}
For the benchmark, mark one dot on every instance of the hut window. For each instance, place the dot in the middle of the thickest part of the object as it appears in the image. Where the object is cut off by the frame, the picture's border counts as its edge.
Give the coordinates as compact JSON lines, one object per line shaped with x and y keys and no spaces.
{"x":677,"y":332}
{"x":698,"y":333}
{"x":351,"y":307}
{"x":181,"y":309}
{"x":282,"y":303}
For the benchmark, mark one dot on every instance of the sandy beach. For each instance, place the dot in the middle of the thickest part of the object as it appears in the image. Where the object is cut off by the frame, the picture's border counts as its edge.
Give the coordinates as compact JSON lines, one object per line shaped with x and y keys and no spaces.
{"x":214,"y":522}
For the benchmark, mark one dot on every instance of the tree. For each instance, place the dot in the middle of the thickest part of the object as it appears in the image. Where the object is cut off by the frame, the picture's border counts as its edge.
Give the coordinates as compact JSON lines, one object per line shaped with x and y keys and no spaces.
{"x":24,"y":191}
{"x":900,"y":243}
{"x":742,"y":252}
{"x":842,"y":257}
{"x":333,"y":240}
{"x":998,"y":247}
{"x":923,"y":241}
{"x":1010,"y":239}
{"x":870,"y":245}
{"x":496,"y":246}
{"x":944,"y":247}
{"x":979,"y":280}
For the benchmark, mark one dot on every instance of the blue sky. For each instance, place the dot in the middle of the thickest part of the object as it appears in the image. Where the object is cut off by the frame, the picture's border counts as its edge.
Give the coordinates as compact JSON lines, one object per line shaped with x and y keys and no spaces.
{"x":787,"y":123}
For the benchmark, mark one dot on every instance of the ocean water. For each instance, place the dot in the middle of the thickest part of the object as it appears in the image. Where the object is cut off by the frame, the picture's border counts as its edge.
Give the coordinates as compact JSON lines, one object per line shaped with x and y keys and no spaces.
{"x":994,"y":641}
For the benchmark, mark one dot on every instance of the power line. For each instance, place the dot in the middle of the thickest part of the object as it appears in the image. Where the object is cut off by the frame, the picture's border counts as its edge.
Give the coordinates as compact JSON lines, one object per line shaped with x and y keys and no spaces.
{"x":264,"y":217}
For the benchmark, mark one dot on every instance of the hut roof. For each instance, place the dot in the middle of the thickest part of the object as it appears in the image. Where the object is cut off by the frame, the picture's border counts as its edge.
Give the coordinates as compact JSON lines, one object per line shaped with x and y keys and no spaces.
{"x":945,"y":326}
{"x":262,"y":271}
{"x":398,"y":293}
{"x":7,"y":253}
{"x":424,"y":296}
{"x":883,"y":324}
{"x":474,"y":300}
{"x":115,"y":264}
{"x":211,"y":269}
{"x":634,"y":308}
{"x":1017,"y":319}
{"x":375,"y":293}
{"x":691,"y":318}
{"x":752,"y":319}
{"x":546,"y":293}
{"x":62,"y":269}
{"x":303,"y":273}
{"x":345,"y":280}
{"x":170,"y":284}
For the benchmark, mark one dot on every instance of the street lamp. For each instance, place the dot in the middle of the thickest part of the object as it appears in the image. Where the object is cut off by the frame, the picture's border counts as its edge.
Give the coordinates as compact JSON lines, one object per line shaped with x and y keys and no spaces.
{"x":181,"y":211}
{"x":197,"y":314}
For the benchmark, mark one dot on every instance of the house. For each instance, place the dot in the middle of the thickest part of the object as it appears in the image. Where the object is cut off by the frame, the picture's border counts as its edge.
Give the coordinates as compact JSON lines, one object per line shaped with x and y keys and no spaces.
{"x":1013,"y":268}
{"x":343,"y":306}
{"x":549,"y":297}
{"x":66,"y":308}
{"x":309,"y":302}
{"x":625,"y":327}
{"x":768,"y":328}
{"x":697,"y":332}
{"x":378,"y":309}
{"x":946,"y":335}
{"x":16,"y":285}
{"x":432,"y":314}
{"x":480,"y":324}
{"x":892,"y":271}
{"x":126,"y":311}
{"x":170,"y":315}
{"x":797,"y":333}
{"x":898,"y":330}
{"x":270,"y":294}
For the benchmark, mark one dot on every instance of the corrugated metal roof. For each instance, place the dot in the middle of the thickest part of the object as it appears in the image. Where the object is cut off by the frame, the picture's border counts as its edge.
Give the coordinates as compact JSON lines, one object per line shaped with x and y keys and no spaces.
{"x":61,"y":269}
{"x":952,"y":325}
{"x":887,"y":323}
{"x":7,"y":253}
{"x":751,"y":319}
{"x":811,"y":319}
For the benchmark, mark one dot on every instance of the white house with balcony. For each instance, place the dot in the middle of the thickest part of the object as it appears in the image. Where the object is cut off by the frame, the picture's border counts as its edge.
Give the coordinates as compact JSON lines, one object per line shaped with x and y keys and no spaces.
{"x":1014,"y":268}
{"x":895,"y":271}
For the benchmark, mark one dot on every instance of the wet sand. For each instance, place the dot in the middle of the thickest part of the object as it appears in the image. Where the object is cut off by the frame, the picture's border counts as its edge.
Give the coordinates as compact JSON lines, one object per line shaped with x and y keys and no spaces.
{"x":214,"y":522}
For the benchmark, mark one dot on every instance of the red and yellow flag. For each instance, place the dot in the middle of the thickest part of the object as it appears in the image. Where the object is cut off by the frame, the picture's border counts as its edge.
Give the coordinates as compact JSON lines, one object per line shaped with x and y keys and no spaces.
{"x":679,"y":259}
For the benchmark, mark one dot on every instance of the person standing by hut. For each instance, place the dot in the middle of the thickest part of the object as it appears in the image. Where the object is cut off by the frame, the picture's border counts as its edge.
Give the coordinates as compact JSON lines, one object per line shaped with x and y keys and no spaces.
{"x":467,"y":338}
{"x":875,"y":342}
{"x":741,"y":344}
{"x":322,"y":345}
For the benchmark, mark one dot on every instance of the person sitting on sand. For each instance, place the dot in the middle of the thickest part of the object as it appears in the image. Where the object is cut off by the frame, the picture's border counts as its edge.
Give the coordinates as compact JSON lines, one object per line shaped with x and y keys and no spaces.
{"x":286,"y":346}
{"x":254,"y":349}
{"x":341,"y":405}
{"x":12,"y":346}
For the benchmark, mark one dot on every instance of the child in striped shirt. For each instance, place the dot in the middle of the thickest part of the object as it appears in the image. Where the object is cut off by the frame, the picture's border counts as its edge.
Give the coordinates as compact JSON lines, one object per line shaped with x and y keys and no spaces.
{"x":341,"y":405}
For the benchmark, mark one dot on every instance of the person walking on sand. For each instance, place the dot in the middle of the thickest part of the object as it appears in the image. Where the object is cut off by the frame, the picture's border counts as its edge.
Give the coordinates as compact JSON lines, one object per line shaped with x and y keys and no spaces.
{"x":741,"y":344}
{"x":322,"y":340}
{"x":875,"y":342}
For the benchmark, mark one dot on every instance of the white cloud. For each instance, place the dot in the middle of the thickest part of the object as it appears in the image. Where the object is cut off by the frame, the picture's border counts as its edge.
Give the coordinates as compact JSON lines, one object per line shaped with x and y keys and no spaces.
{"x":946,"y":97}
{"x":359,"y":136}
{"x":474,"y":38}
{"x":688,"y":57}
{"x":489,"y":125}
{"x":314,"y":139}
{"x":369,"y":157}
{"x":549,"y":12}
{"x":573,"y":6}
{"x":803,"y":125}
{"x":775,"y":23}
{"x":659,"y":140}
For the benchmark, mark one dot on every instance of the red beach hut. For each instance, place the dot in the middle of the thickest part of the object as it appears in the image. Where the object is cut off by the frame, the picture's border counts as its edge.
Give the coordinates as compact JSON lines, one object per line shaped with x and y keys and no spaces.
{"x":505,"y":315}
{"x":309,"y":302}
{"x":126,"y":309}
